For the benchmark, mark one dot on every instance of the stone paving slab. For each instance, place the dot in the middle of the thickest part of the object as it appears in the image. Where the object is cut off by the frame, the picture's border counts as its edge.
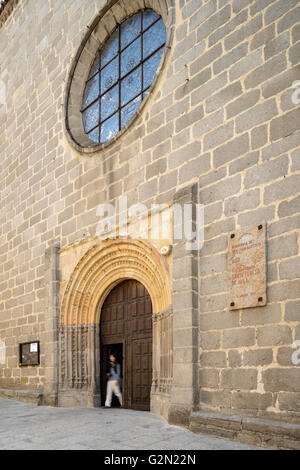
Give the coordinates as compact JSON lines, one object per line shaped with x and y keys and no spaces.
{"x":24,"y":426}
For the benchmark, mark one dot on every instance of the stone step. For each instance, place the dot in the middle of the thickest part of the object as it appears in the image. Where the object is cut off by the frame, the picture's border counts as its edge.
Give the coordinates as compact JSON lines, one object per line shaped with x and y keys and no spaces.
{"x":31,"y":397}
{"x":253,"y":431}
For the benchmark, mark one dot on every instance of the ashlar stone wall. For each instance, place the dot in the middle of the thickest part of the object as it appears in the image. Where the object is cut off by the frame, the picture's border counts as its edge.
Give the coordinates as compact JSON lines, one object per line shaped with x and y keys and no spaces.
{"x":222,"y":116}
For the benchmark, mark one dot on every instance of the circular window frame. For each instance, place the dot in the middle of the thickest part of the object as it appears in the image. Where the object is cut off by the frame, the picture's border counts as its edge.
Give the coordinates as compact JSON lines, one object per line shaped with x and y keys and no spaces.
{"x":115,"y":13}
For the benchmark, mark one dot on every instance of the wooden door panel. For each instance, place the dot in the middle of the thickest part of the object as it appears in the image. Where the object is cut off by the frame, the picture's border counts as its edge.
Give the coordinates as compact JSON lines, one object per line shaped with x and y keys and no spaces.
{"x":141,"y":373}
{"x":104,"y":361}
{"x":127,"y":316}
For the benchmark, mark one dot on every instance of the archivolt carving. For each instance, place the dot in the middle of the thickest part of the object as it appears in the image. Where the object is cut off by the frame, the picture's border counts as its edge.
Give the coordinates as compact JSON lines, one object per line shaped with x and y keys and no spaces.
{"x":104,"y":266}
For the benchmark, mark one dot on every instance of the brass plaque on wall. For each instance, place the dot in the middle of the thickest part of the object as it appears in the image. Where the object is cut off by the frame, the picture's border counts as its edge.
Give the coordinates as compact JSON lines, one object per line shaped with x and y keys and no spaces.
{"x":247,"y":268}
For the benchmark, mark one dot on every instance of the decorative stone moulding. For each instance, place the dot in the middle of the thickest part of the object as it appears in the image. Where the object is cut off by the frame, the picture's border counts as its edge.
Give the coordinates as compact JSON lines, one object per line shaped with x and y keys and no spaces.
{"x":101,"y":28}
{"x":102,"y":268}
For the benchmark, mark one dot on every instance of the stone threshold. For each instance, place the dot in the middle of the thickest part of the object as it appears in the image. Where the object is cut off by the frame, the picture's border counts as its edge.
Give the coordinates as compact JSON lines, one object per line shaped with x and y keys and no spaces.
{"x":253,"y":431}
{"x":31,"y":397}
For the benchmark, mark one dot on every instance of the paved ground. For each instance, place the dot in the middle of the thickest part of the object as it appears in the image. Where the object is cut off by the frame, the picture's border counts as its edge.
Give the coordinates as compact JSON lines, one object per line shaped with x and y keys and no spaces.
{"x":29,"y":427}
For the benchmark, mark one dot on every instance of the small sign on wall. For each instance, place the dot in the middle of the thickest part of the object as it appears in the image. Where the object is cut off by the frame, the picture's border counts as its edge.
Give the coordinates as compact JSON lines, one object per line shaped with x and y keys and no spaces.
{"x":247,"y":268}
{"x":30,"y":354}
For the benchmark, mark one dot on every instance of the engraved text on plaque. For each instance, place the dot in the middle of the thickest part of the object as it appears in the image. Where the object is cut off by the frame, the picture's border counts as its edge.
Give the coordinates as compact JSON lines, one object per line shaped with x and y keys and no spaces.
{"x":247,"y":268}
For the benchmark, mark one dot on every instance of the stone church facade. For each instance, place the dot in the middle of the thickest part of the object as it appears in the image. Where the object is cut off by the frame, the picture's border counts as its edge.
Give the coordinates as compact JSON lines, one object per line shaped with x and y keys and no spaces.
{"x":219,"y":128}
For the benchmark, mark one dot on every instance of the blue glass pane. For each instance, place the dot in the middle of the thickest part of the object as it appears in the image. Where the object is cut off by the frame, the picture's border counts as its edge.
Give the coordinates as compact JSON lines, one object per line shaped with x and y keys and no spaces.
{"x":109,"y":102}
{"x":91,"y":116}
{"x":95,"y":67}
{"x":130,"y":29}
{"x":131,"y":86}
{"x":117,"y":91}
{"x":150,"y":68}
{"x":94,"y":135}
{"x":131,"y":57}
{"x":110,"y":75}
{"x":110,"y":48}
{"x":91,"y":91}
{"x":154,"y":37}
{"x":148,"y":18}
{"x":130,"y":110}
{"x":109,"y":128}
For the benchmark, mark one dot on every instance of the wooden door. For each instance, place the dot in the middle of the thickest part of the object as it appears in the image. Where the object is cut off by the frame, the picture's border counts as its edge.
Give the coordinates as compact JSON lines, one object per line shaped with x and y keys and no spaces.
{"x":126,"y":318}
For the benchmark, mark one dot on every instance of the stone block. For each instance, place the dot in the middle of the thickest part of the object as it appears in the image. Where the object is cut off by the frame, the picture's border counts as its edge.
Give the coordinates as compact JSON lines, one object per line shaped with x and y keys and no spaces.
{"x":188,"y":119}
{"x":208,"y":378}
{"x":290,"y":269}
{"x":213,"y":22}
{"x":251,"y":401}
{"x":221,"y":190}
{"x":194,"y":168}
{"x":184,"y":155}
{"x":268,"y":70}
{"x":247,"y":30}
{"x":206,"y":59}
{"x":228,"y":27}
{"x":230,"y":58}
{"x":246,"y":65}
{"x":234,"y":358}
{"x":281,"y":146}
{"x":271,"y":313}
{"x":257,"y":115}
{"x":280,"y":43}
{"x":257,"y":357}
{"x":259,"y":137}
{"x":242,"y":379}
{"x":292,"y":311}
{"x":208,"y":87}
{"x":208,"y":123}
{"x":247,"y":200}
{"x":284,"y":356}
{"x":277,"y":9}
{"x":221,"y":98}
{"x":238,"y":337}
{"x":203,"y":13}
{"x":266,"y":172}
{"x":282,"y":189}
{"x":210,"y":340}
{"x":246,"y":101}
{"x":285,"y":125}
{"x":263,"y":37}
{"x":218,"y":136}
{"x":278,"y":379}
{"x":218,"y":320}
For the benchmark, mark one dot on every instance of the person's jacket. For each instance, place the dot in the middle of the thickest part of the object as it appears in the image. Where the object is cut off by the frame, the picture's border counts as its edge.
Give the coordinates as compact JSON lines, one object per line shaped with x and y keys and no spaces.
{"x":114,"y":371}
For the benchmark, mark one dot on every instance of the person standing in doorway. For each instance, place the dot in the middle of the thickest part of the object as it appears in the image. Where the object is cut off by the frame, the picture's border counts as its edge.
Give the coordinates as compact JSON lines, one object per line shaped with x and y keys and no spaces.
{"x":113,"y":381}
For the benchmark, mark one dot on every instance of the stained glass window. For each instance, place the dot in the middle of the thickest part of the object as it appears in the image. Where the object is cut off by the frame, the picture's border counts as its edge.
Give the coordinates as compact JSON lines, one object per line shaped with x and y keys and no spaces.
{"x":122,"y":74}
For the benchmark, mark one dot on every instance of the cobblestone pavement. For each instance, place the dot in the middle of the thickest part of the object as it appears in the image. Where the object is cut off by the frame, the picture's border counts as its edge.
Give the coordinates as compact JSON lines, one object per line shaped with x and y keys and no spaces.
{"x":24,"y":426}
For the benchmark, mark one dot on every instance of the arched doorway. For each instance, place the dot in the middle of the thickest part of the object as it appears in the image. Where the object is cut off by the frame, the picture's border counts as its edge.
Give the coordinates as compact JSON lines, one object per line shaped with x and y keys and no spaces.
{"x":126,"y":330}
{"x":90,"y":273}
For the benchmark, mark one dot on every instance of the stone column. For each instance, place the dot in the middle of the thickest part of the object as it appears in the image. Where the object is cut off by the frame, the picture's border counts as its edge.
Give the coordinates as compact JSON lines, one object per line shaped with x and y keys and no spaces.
{"x":50,"y":337}
{"x":184,"y":392}
{"x":93,"y":353}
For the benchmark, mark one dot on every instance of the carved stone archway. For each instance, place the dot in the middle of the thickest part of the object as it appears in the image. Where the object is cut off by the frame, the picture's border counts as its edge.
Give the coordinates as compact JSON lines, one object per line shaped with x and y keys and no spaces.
{"x":104,"y":265}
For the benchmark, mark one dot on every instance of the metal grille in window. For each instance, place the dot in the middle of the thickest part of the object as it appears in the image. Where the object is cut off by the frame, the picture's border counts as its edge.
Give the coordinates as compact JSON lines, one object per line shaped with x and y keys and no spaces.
{"x":122,"y":74}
